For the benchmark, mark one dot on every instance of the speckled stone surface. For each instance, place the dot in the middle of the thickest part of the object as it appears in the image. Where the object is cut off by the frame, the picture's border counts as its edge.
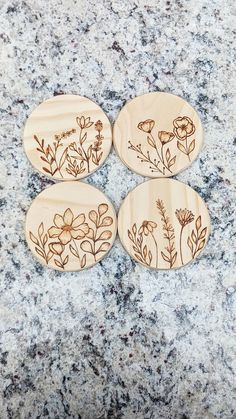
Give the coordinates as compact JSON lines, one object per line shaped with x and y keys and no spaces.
{"x":118,"y":341}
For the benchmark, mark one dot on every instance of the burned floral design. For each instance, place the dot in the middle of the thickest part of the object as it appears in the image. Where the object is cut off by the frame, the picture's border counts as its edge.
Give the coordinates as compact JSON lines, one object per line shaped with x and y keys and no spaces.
{"x":155,"y":153}
{"x":74,"y":236}
{"x":144,"y":249}
{"x":75,"y":157}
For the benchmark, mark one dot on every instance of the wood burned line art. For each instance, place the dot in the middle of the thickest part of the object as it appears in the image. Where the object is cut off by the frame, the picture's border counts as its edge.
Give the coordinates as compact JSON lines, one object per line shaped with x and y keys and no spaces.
{"x":147,"y":251}
{"x":76,"y":158}
{"x":71,"y":236}
{"x":158,"y":156}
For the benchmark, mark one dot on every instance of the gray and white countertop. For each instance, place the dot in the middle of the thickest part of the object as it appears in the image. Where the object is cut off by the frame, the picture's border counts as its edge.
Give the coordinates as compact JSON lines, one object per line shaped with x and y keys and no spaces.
{"x":118,"y":340}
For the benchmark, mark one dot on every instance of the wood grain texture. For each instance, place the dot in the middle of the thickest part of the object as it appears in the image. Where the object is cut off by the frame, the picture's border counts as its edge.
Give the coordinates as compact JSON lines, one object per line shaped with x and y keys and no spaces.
{"x":70,"y":226}
{"x":163,"y":224}
{"x":67,"y":137}
{"x":157,"y":134}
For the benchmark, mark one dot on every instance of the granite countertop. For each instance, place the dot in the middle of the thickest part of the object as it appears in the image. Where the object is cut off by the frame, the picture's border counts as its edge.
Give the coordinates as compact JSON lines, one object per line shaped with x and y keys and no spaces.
{"x":118,"y":340}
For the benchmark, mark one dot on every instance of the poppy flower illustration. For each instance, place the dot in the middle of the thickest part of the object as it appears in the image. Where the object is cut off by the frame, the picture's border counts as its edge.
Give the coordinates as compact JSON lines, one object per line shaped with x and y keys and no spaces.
{"x":165,"y":137}
{"x":146,"y":125}
{"x":147,"y":227}
{"x":183,"y":127}
{"x":68,"y":227}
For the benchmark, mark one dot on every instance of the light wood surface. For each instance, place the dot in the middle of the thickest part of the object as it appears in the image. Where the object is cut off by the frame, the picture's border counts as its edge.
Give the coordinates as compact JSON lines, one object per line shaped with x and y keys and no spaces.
{"x":163,"y":224}
{"x":70,"y":226}
{"x":157,"y":134}
{"x":67,"y":137}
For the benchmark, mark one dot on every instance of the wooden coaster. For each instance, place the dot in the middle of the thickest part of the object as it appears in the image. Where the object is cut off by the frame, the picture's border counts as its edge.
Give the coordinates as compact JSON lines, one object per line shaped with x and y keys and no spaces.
{"x":163,"y":224}
{"x":70,"y":226}
{"x":157,"y":134}
{"x":67,"y":137}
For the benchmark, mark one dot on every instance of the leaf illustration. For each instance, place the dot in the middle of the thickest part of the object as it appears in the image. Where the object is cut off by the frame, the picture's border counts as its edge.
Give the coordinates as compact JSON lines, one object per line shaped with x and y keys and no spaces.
{"x":151,"y":142}
{"x":193,"y":237}
{"x":145,"y":251}
{"x":58,"y":263}
{"x":190,"y":244}
{"x":93,"y":216}
{"x":198,"y":239}
{"x":105,"y":235}
{"x":134,"y":228}
{"x":41,"y":230}
{"x":167,"y":154}
{"x":198,"y":223}
{"x":49,"y":151}
{"x":102,"y":209}
{"x":104,"y":247}
{"x":40,"y":252}
{"x":150,"y":257}
{"x":86,"y":246}
{"x":89,"y":152}
{"x":107,"y":221}
{"x":43,"y":158}
{"x":172,"y":161}
{"x":83,"y":139}
{"x":63,"y":157}
{"x":201,"y":245}
{"x":174,"y":258}
{"x":83,"y":261}
{"x":65,"y":261}
{"x":90,"y":234}
{"x":73,"y":250}
{"x":165,"y":257}
{"x":203,"y":233}
{"x":49,"y":255}
{"x":33,"y":238}
{"x":46,"y":170}
{"x":138,"y":257}
{"x":181,"y":147}
{"x":45,"y":239}
{"x":100,"y":156}
{"x":191,"y":147}
{"x":130,"y":235}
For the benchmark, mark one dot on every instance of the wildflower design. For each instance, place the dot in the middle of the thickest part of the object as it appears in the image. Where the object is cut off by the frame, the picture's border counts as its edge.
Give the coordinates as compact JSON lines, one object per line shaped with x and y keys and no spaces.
{"x":149,"y":238}
{"x":74,"y":152}
{"x":155,"y":152}
{"x":72,"y":236}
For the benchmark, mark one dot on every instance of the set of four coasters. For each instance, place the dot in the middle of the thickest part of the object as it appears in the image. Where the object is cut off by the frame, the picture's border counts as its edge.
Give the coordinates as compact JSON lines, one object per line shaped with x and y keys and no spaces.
{"x":162,"y":223}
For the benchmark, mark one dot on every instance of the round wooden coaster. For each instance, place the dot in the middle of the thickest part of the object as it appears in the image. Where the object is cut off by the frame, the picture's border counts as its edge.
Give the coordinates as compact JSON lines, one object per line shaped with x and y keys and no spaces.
{"x":163,"y":224}
{"x":157,"y":134}
{"x":67,"y":137}
{"x":70,"y":226}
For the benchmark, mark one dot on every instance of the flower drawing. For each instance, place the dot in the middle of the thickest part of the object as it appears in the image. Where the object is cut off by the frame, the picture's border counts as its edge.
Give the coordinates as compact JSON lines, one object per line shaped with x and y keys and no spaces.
{"x":159,"y":157}
{"x":147,"y":125}
{"x":183,"y":127}
{"x":184,"y":216}
{"x":68,"y":227}
{"x":90,"y":231}
{"x":165,"y":137}
{"x":84,"y":122}
{"x":76,"y":156}
{"x":163,"y":242}
{"x":147,"y":227}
